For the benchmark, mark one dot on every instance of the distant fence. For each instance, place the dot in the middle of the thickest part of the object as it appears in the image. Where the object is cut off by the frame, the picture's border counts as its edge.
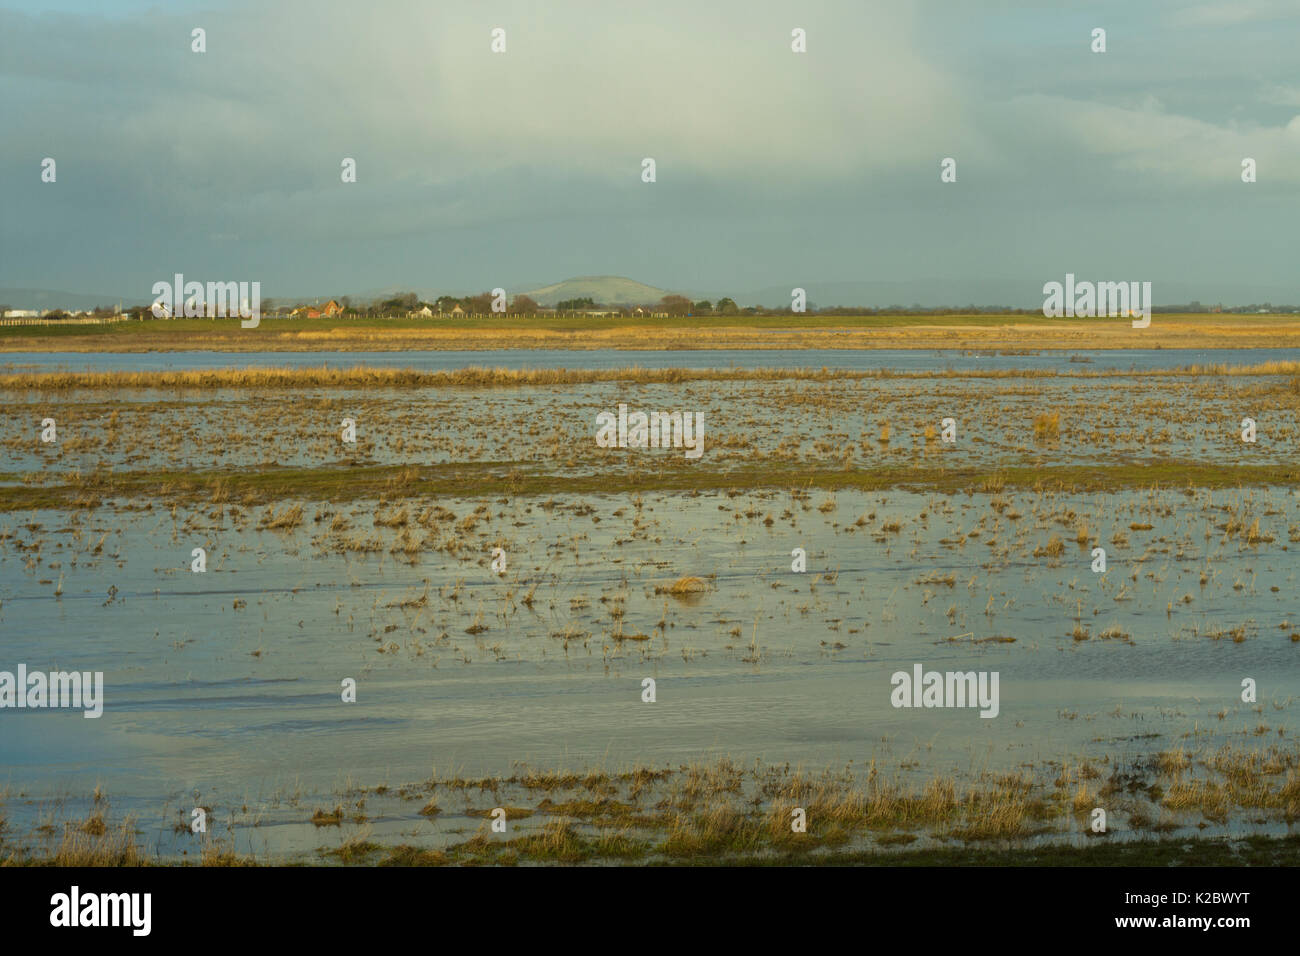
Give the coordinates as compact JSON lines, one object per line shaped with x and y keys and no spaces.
{"x":88,"y":320}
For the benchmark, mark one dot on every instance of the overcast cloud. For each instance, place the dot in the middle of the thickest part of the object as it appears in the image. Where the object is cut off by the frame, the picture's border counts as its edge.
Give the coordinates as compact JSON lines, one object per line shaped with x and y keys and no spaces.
{"x":477,"y":170}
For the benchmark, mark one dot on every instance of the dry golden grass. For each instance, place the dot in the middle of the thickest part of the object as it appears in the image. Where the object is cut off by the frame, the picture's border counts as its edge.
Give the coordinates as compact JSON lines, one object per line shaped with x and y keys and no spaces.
{"x":1054,"y":548}
{"x":1047,"y":427}
{"x":286,"y":520}
{"x":721,"y":811}
{"x":775,"y":332}
{"x":683,"y":586}
{"x":97,"y":843}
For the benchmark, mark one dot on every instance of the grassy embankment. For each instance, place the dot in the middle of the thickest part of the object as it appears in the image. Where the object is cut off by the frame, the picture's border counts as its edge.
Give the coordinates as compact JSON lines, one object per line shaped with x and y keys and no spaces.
{"x":683,"y":332}
{"x":491,"y":478}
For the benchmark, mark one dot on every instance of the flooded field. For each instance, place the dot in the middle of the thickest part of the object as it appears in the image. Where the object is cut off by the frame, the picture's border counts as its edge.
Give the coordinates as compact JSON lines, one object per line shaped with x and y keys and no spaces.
{"x":819,"y":420}
{"x":500,"y":623}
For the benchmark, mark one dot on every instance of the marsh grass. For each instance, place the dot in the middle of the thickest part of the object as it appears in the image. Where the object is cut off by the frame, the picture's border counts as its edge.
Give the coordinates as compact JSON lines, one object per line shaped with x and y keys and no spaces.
{"x":361,"y":377}
{"x":92,"y":842}
{"x":1047,"y":426}
{"x":720,"y":811}
{"x":323,"y":818}
{"x":684,"y":587}
{"x":1011,"y":333}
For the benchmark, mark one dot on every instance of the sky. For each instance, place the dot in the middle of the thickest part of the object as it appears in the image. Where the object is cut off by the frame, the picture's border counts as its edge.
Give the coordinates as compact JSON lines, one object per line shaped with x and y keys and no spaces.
{"x":478,"y":169}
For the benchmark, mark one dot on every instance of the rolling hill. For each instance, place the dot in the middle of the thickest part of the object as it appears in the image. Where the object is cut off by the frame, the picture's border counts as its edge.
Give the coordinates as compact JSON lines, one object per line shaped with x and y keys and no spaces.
{"x":604,"y":290}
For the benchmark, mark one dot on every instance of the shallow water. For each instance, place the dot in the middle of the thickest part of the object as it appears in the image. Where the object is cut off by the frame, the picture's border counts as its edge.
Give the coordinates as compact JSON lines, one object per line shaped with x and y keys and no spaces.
{"x":240,"y":705}
{"x":902,"y":360}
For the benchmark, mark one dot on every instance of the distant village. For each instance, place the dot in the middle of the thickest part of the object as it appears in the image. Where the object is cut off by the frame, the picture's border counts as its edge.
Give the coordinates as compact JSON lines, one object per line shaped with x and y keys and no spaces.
{"x":408,"y":305}
{"x":402,"y":306}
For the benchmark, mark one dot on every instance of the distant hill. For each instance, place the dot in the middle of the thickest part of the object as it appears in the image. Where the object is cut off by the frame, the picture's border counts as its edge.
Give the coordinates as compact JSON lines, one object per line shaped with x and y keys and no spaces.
{"x":604,"y":290}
